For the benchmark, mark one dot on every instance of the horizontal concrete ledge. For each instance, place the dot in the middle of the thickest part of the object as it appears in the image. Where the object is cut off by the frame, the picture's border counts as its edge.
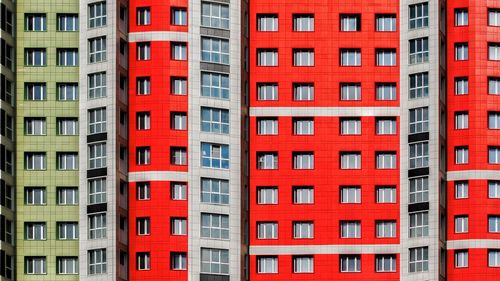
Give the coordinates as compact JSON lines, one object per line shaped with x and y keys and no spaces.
{"x":158,"y":36}
{"x":325,"y":111}
{"x":157,"y":176}
{"x":325,"y":249}
{"x":473,"y":244}
{"x":473,"y":175}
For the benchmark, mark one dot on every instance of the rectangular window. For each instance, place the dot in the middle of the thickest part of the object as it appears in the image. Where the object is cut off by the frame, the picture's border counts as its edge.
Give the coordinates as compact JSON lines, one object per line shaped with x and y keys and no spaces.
{"x":97,"y":226}
{"x":267,"y":57}
{"x":462,"y":190}
{"x":97,"y":191}
{"x":97,"y":14}
{"x":143,"y":155}
{"x":385,"y":263}
{"x":419,"y":85}
{"x":461,"y":155}
{"x":461,"y":258}
{"x":303,"y":126}
{"x":494,"y":51}
{"x":178,"y":86}
{"x":267,"y":22}
{"x":419,"y":190}
{"x":67,"y":265}
{"x":494,"y":258}
{"x":267,"y":126}
{"x":143,"y":261}
{"x":67,"y":230}
{"x":6,"y":90}
{"x":386,"y":229}
{"x":269,"y":264}
{"x":97,"y":85}
{"x":143,"y":86}
{"x":35,"y":231}
{"x":461,"y":17}
{"x":494,"y":155}
{"x":143,"y":15}
{"x":419,"y":224}
{"x":303,"y":264}
{"x":143,"y":226}
{"x":350,"y":160}
{"x":386,"y":160}
{"x":386,"y":57}
{"x":350,"y":229}
{"x":267,"y":91}
{"x":350,"y":22}
{"x":97,"y":49}
{"x":350,"y":194}
{"x":35,"y":161}
{"x":178,"y":226}
{"x":35,"y":91}
{"x":67,"y":91}
{"x":214,"y":50}
{"x":67,"y":161}
{"x":386,"y":126}
{"x":461,"y":51}
{"x":350,"y":263}
{"x":350,"y":91}
{"x":494,"y":86}
{"x":461,"y":86}
{"x":386,"y":22}
{"x":178,"y":261}
{"x":494,"y":224}
{"x":97,"y":156}
{"x":214,"y":261}
{"x":35,"y":196}
{"x":214,"y":191}
{"x":178,"y":51}
{"x":303,"y":160}
{"x":493,"y":189}
{"x":97,"y":261}
{"x":67,"y":196}
{"x":267,"y":230}
{"x":178,"y":156}
{"x":419,"y":155}
{"x":419,"y":50}
{"x":303,"y":57}
{"x":178,"y":191}
{"x":461,"y":224}
{"x":143,"y":190}
{"x":350,"y":57}
{"x":35,"y":265}
{"x":494,"y":17}
{"x":35,"y":57}
{"x":143,"y":121}
{"x":386,"y":91}
{"x":215,"y":120}
{"x":267,"y":160}
{"x":419,"y":120}
{"x":214,"y":226}
{"x":215,"y":85}
{"x":419,"y":15}
{"x":419,"y":259}
{"x":35,"y":126}
{"x":67,"y":57}
{"x":35,"y":22}
{"x":303,"y":91}
{"x":494,"y":120}
{"x":267,"y":195}
{"x":97,"y":120}
{"x":303,"y":230}
{"x":178,"y":16}
{"x":143,"y":51}
{"x":303,"y":195}
{"x":303,"y":22}
{"x":215,"y":15}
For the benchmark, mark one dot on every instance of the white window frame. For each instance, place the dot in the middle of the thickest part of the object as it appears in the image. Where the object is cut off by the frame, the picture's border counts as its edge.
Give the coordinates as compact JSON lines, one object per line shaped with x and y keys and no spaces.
{"x":461,"y":155}
{"x":418,"y":155}
{"x":97,"y":263}
{"x":385,"y":263}
{"x":267,"y":91}
{"x":303,"y":195}
{"x":418,"y":50}
{"x":67,"y":230}
{"x":143,"y":50}
{"x":214,"y":226}
{"x":143,"y":261}
{"x":178,"y":51}
{"x":461,"y":17}
{"x":386,"y":229}
{"x":97,"y":85}
{"x":461,"y":224}
{"x":214,"y":261}
{"x":267,"y":160}
{"x":350,"y":263}
{"x":267,"y":22}
{"x":215,"y":15}
{"x":350,"y":160}
{"x":97,"y":155}
{"x":350,"y":229}
{"x":35,"y":161}
{"x":350,"y":194}
{"x":267,"y":195}
{"x":494,"y":85}
{"x":350,"y":126}
{"x":303,"y":91}
{"x":418,"y":15}
{"x":178,"y":191}
{"x":67,"y":265}
{"x":215,"y":85}
{"x":97,"y":14}
{"x":386,"y":126}
{"x":67,"y":195}
{"x":386,"y":57}
{"x":494,"y":51}
{"x":462,"y":189}
{"x":97,"y":226}
{"x":67,"y":161}
{"x":143,"y":226}
{"x":214,"y":191}
{"x":267,"y":264}
{"x":178,"y":226}
{"x":386,"y":160}
{"x":267,"y":126}
{"x":303,"y":57}
{"x":303,"y":160}
{"x":67,"y":91}
{"x":418,"y":190}
{"x":267,"y":230}
{"x":350,"y":57}
{"x":214,"y":120}
{"x":494,"y":17}
{"x":215,"y":50}
{"x":418,"y":259}
{"x":97,"y":49}
{"x":461,"y":86}
{"x":418,"y":224}
{"x":35,"y":265}
{"x":419,"y":85}
{"x":385,"y":23}
{"x":303,"y":22}
{"x":303,"y":126}
{"x":267,"y":57}
{"x":143,"y":15}
{"x":97,"y":191}
{"x":303,"y":264}
{"x":461,"y":51}
{"x":303,"y":230}
{"x":461,"y":258}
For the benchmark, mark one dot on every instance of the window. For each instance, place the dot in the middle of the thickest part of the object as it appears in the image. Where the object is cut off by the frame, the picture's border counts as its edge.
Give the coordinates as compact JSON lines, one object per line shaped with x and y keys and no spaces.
{"x":143,"y":155}
{"x":178,"y":191}
{"x":303,"y":126}
{"x":303,"y":160}
{"x":386,"y":91}
{"x":267,"y":195}
{"x":385,"y":22}
{"x":419,"y":85}
{"x":419,"y":50}
{"x":386,"y":160}
{"x":419,"y":224}
{"x":143,"y":191}
{"x":143,"y":226}
{"x":143,"y":86}
{"x":267,"y":160}
{"x":350,"y":263}
{"x":461,"y":51}
{"x":419,"y":190}
{"x":215,"y":15}
{"x":97,"y":191}
{"x":461,"y":155}
{"x":269,"y":264}
{"x":267,"y":22}
{"x":35,"y":231}
{"x":303,"y":57}
{"x":494,"y":51}
{"x":143,"y":121}
{"x":35,"y":91}
{"x":303,"y":91}
{"x":97,"y":226}
{"x":214,"y":191}
{"x":303,"y":264}
{"x":143,"y":261}
{"x":386,"y":57}
{"x":97,"y":120}
{"x":178,"y":156}
{"x":67,"y":57}
{"x":178,"y":86}
{"x":494,"y":155}
{"x":419,"y":259}
{"x":178,"y":226}
{"x":215,"y":120}
{"x":462,"y":190}
{"x":386,"y":126}
{"x":97,"y":85}
{"x":179,"y":16}
{"x":350,"y":22}
{"x":350,"y":229}
{"x":303,"y":195}
{"x":419,"y":15}
{"x":97,"y":155}
{"x":494,"y":224}
{"x":179,"y":51}
{"x":461,"y":258}
{"x":67,"y":230}
{"x":267,"y":91}
{"x":267,"y":230}
{"x":97,"y":261}
{"x":494,"y":17}
{"x":386,"y":229}
{"x":67,"y":265}
{"x":35,"y":57}
{"x":6,"y":90}
{"x":67,"y":161}
{"x":215,"y":85}
{"x":214,"y":50}
{"x":67,"y":196}
{"x":461,"y":86}
{"x":35,"y":161}
{"x":303,"y":230}
{"x":350,"y":160}
{"x":493,"y":258}
{"x":35,"y":126}
{"x":419,"y":120}
{"x":35,"y":265}
{"x":385,"y":263}
{"x":419,"y":155}
{"x":493,"y":120}
{"x":178,"y":261}
{"x":350,"y":91}
{"x":35,"y":22}
{"x":350,"y":57}
{"x":97,"y":14}
{"x":214,"y":261}
{"x":267,"y":57}
{"x":461,"y":17}
{"x":143,"y":51}
{"x":267,"y":126}
{"x":494,"y":86}
{"x":303,"y":22}
{"x":350,"y":194}
{"x":35,"y":196}
{"x":214,"y":226}
{"x":67,"y":91}
{"x":143,"y":16}
{"x":97,"y":49}
{"x":461,"y":224}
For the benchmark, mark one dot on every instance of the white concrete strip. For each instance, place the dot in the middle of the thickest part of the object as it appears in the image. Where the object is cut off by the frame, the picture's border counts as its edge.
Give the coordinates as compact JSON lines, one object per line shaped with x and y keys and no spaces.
{"x":157,"y":176}
{"x":324,"y":249}
{"x":158,"y":36}
{"x":325,"y":111}
{"x":473,"y":244}
{"x":473,"y":175}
